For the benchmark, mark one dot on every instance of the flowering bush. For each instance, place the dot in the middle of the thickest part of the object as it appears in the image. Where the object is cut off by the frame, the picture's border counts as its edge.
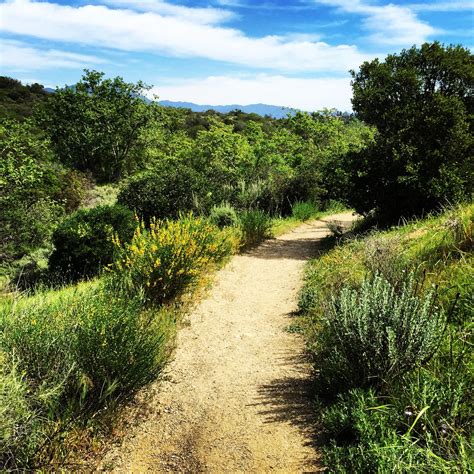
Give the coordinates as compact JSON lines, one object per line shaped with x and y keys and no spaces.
{"x":169,"y":256}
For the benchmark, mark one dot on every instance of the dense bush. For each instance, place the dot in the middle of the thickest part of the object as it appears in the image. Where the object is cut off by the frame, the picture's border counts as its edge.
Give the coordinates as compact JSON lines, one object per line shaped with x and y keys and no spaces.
{"x":163,"y":192}
{"x":169,"y":256}
{"x":421,"y":102}
{"x":255,"y":226}
{"x":374,"y":334}
{"x":29,"y":183}
{"x":303,"y":210}
{"x":83,"y":241}
{"x":224,"y":216}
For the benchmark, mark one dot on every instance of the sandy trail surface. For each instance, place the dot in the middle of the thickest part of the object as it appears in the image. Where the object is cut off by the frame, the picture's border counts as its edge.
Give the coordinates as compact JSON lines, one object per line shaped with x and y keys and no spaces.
{"x":236,"y":397}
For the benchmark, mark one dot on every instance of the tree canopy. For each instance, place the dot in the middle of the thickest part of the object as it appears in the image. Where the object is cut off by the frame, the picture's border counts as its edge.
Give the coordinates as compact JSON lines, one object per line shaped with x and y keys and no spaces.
{"x":421,"y":102}
{"x":98,"y":124}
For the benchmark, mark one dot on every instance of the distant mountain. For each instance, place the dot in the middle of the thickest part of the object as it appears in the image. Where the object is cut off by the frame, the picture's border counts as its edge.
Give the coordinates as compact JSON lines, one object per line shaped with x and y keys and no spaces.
{"x":274,"y":111}
{"x":260,"y":109}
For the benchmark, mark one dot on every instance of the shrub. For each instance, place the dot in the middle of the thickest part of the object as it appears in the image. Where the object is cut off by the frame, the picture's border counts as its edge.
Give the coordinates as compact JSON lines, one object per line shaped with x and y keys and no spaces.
{"x":256,"y":226}
{"x":376,"y":333}
{"x":303,"y":210}
{"x":118,"y":346}
{"x":83,"y":242}
{"x":70,"y":353}
{"x":224,"y":216}
{"x":163,"y":192}
{"x":73,"y":190}
{"x":170,"y":256}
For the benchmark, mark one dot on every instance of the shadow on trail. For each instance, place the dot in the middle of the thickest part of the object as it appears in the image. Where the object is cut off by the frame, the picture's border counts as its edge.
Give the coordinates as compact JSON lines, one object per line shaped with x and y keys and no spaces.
{"x":292,"y":400}
{"x":298,"y":249}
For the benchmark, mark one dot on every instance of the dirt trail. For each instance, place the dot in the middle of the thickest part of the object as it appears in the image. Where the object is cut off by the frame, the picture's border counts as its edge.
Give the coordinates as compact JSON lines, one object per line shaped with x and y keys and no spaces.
{"x":235,"y":397}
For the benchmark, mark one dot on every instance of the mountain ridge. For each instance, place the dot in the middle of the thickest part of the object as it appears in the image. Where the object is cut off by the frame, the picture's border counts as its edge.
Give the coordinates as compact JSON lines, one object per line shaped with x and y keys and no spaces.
{"x":275,"y":111}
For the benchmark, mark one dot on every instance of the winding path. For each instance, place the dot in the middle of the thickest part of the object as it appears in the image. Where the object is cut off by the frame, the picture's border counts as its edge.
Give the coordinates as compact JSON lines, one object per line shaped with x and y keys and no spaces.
{"x":235,"y":397}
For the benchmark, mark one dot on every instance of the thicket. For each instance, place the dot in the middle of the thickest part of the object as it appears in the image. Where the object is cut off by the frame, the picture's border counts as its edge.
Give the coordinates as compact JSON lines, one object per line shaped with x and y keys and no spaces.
{"x":388,"y":320}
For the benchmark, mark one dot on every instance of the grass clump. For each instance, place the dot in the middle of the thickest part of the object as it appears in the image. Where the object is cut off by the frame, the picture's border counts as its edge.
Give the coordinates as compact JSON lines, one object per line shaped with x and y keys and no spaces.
{"x":256,"y":226}
{"x":392,"y":352}
{"x":304,"y":210}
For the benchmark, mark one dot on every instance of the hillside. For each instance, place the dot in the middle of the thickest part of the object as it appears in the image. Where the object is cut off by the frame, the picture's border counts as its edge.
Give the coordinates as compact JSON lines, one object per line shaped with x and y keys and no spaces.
{"x":17,"y":100}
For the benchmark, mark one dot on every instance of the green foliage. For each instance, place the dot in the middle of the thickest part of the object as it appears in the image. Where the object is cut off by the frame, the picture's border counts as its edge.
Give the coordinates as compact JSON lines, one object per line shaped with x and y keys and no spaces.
{"x":422,"y":104}
{"x":83,"y":241}
{"x":303,"y":210}
{"x":256,"y":226}
{"x":17,"y":415}
{"x":169,"y":257}
{"x":420,"y":420}
{"x":162,"y":192}
{"x":74,"y":187}
{"x":369,"y":434}
{"x":374,"y":334}
{"x":17,"y":101}
{"x":98,"y":124}
{"x":29,"y":184}
{"x":224,"y":216}
{"x":77,"y":350}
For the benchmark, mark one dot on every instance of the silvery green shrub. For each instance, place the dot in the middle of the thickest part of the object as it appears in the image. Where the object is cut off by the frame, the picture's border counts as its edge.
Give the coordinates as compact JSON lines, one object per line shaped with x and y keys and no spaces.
{"x":375,"y":333}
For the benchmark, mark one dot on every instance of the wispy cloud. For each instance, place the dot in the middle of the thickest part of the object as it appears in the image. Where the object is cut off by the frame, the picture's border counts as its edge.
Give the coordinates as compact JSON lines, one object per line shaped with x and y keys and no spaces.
{"x":206,"y":16}
{"x":387,"y":24}
{"x":172,"y":35}
{"x":305,"y":94}
{"x":451,"y":6}
{"x":18,"y":56}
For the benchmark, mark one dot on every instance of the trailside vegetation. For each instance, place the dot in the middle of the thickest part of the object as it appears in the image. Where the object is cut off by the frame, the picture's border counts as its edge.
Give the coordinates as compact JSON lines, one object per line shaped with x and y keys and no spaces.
{"x":113,"y":208}
{"x":388,"y":322}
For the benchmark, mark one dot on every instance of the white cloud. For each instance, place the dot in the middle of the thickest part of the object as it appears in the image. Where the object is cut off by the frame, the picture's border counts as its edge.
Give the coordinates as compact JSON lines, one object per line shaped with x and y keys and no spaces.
{"x":172,"y":35}
{"x":305,"y":94}
{"x":196,"y":15}
{"x":387,"y":24}
{"x":17,"y":56}
{"x":451,"y":6}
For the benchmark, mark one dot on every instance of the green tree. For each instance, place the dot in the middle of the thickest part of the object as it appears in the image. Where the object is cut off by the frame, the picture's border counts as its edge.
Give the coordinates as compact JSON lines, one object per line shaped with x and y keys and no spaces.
{"x":29,"y":184}
{"x":421,"y":102}
{"x":98,"y":125}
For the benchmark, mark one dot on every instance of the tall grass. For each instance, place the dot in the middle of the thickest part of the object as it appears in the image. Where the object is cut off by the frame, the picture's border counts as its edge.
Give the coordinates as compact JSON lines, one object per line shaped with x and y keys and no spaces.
{"x":256,"y":226}
{"x":304,"y":210}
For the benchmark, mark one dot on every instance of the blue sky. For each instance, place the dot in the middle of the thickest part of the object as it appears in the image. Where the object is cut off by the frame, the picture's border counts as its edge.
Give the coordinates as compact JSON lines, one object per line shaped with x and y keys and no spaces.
{"x":293,"y":53}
